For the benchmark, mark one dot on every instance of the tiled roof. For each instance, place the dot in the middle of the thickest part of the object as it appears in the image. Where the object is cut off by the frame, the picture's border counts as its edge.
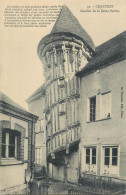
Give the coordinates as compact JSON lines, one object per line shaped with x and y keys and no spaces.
{"x":110,"y":52}
{"x":40,"y":90}
{"x":67,"y":22}
{"x":8,"y":100}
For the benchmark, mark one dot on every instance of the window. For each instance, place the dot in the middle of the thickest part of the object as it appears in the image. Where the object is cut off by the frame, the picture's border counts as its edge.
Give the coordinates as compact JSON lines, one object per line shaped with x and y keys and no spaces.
{"x":91,"y":155}
{"x":99,"y":106}
{"x":90,"y":160}
{"x":114,"y":156}
{"x":111,"y":156}
{"x":111,"y":160}
{"x":87,"y":155}
{"x":93,"y":108}
{"x":107,"y":156}
{"x":105,"y":110}
{"x":9,"y":144}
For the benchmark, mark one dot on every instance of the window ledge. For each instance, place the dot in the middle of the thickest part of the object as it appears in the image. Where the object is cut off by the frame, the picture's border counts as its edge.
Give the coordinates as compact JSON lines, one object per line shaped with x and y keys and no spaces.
{"x":99,"y":120}
{"x":5,"y":162}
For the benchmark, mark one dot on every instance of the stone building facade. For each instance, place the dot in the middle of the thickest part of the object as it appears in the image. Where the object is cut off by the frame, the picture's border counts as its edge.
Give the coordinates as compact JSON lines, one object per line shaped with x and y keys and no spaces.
{"x":79,"y":78}
{"x":17,"y":140}
{"x":103,"y":118}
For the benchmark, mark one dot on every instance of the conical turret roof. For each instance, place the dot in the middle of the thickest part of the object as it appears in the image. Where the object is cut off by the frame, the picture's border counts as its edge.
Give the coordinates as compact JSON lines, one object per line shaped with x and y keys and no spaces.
{"x":67,"y":22}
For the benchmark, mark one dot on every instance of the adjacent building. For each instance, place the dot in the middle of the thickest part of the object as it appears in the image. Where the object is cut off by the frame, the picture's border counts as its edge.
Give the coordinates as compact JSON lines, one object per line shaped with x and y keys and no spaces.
{"x":17,"y":140}
{"x":36,"y":105}
{"x":103,"y":114}
{"x":83,"y":104}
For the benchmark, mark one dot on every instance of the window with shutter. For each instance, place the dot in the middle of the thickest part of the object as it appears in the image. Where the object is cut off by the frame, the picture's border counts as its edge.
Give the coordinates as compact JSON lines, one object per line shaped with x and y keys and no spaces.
{"x":105,"y":109}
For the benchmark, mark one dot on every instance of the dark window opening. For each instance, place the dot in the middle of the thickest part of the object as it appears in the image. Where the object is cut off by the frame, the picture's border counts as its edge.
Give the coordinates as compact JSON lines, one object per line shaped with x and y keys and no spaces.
{"x":107,"y":156}
{"x":3,"y":151}
{"x":114,"y":156}
{"x":114,"y":160}
{"x":93,"y":156}
{"x":107,"y":151}
{"x":87,"y":155}
{"x":93,"y":108}
{"x":106,"y":160}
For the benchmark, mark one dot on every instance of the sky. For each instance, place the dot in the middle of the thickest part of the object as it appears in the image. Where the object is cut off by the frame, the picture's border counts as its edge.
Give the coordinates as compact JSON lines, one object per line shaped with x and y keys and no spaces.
{"x":21,"y":71}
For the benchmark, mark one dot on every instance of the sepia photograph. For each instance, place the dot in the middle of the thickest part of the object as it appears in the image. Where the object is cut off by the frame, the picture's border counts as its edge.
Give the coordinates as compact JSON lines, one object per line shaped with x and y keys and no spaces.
{"x":63,"y":97}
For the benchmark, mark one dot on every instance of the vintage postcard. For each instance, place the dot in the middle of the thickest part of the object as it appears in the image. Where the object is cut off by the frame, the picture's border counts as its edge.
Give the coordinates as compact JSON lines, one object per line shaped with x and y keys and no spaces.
{"x":63,"y":97}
